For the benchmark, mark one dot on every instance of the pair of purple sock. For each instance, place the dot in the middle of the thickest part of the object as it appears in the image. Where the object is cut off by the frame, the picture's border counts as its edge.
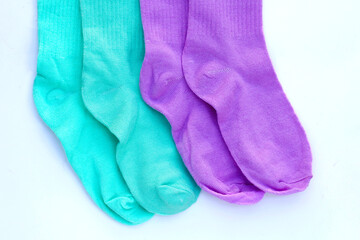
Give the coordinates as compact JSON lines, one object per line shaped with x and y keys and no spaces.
{"x":208,"y":71}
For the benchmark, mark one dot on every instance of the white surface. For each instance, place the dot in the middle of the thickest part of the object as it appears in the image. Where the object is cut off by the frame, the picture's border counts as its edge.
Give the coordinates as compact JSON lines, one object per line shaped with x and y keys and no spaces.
{"x":315,"y":47}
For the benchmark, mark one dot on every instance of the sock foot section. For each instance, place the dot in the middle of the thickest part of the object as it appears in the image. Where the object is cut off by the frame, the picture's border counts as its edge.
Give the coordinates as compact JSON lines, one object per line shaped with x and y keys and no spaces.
{"x":175,"y":198}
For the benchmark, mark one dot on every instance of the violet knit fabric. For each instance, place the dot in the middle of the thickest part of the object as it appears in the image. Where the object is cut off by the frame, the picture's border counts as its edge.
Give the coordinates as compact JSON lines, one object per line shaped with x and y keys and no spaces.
{"x":226,"y":63}
{"x":194,"y":125}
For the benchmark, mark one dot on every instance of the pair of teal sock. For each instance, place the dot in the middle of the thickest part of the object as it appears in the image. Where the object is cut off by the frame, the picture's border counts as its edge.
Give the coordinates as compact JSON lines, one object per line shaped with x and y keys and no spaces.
{"x":87,"y":92}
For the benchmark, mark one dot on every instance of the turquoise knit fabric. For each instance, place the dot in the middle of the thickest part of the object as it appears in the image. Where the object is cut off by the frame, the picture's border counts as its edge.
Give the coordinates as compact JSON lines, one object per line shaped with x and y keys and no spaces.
{"x":89,"y":146}
{"x":146,"y":153}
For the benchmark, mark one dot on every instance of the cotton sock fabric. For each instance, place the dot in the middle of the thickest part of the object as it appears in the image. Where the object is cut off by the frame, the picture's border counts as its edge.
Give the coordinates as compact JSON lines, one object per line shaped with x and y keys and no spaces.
{"x":89,"y":146}
{"x":226,"y":63}
{"x":194,"y":124}
{"x":146,"y":153}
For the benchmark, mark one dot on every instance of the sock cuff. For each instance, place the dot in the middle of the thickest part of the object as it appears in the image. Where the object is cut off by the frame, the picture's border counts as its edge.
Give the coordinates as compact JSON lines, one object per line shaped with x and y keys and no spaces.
{"x":111,"y":24}
{"x":165,"y":20}
{"x":59,"y":27}
{"x":238,"y":18}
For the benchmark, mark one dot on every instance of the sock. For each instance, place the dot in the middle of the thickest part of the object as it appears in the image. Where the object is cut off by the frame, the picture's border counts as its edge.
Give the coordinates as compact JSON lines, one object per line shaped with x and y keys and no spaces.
{"x":146,"y":153}
{"x":226,"y":63}
{"x":194,"y":125}
{"x":89,"y":146}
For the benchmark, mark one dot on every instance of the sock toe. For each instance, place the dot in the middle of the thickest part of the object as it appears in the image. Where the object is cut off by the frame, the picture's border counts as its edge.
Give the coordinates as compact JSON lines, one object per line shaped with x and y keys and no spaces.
{"x":128,"y":208}
{"x":241,"y":194}
{"x":292,"y":187}
{"x":176,"y":199}
{"x":244,"y":194}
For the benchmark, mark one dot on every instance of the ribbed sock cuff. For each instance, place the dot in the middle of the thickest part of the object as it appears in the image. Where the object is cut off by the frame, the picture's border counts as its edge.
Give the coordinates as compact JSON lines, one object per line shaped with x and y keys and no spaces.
{"x":239,"y":18}
{"x":59,"y":27}
{"x":165,"y":20}
{"x":111,"y":24}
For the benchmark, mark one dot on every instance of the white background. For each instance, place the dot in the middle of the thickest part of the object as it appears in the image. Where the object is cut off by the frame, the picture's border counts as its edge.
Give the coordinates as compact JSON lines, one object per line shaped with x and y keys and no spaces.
{"x":315,"y":48}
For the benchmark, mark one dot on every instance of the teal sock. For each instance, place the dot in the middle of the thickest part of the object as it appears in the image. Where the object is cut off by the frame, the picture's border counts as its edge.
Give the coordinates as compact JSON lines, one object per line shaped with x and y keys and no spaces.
{"x":146,"y":153}
{"x":89,"y":146}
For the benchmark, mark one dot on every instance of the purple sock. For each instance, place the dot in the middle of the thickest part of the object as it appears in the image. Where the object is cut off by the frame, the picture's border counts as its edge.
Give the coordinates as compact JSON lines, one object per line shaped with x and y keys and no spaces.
{"x":194,"y":125}
{"x":226,"y":64}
